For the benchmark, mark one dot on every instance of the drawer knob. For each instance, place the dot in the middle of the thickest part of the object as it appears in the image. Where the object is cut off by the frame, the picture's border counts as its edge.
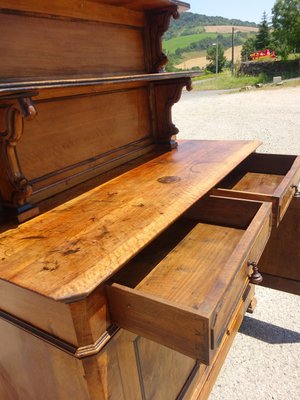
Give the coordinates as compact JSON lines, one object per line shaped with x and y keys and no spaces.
{"x":297,"y":191}
{"x":256,"y":276}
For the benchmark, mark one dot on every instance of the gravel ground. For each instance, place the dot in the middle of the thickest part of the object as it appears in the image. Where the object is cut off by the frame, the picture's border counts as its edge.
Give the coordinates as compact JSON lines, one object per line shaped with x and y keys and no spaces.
{"x":264,"y":361}
{"x":271,"y":116}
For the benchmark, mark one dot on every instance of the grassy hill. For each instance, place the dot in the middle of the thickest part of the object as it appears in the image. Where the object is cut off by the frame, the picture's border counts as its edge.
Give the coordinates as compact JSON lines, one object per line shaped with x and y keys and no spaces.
{"x":180,"y":42}
{"x":191,"y":23}
{"x":191,"y":35}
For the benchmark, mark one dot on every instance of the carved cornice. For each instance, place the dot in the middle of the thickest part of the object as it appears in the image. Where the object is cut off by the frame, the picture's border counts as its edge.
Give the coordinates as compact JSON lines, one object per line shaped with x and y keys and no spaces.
{"x":15,"y":188}
{"x":158,"y":24}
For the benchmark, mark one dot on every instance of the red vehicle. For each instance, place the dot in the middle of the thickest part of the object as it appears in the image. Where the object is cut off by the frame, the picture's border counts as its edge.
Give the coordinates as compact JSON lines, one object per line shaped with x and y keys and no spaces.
{"x":262,"y":53}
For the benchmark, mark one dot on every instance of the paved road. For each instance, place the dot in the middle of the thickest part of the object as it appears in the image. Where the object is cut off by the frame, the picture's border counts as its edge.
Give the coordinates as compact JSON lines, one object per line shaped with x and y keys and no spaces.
{"x":264,"y":362}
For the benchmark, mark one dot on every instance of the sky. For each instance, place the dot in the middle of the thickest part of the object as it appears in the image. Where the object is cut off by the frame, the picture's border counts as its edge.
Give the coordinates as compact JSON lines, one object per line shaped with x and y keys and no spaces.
{"x":241,"y":9}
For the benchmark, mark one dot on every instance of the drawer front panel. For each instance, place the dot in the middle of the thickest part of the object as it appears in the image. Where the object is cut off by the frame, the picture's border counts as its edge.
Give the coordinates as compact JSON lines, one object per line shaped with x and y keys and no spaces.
{"x":203,"y":382}
{"x":291,"y":189}
{"x":237,"y":287}
{"x":280,"y":262}
{"x":264,"y":177}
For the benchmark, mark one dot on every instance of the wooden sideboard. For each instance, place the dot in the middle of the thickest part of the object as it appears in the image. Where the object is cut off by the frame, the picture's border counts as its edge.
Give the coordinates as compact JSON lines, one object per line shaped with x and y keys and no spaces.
{"x":127,"y":260}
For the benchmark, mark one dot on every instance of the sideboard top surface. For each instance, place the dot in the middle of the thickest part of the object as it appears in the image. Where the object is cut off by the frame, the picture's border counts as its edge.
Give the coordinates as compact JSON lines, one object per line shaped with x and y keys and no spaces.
{"x":67,"y":252}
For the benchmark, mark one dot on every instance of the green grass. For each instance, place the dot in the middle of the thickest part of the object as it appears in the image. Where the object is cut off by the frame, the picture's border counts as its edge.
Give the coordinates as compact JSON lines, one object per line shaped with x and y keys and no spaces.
{"x":293,"y":56}
{"x":226,"y":81}
{"x":170,"y":46}
{"x":205,"y":76}
{"x":193,"y":54}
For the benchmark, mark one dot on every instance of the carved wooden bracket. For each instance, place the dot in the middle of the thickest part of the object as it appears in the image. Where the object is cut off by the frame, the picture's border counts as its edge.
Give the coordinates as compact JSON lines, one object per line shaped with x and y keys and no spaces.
{"x":167,"y":94}
{"x":158,"y":24}
{"x":14,"y":187}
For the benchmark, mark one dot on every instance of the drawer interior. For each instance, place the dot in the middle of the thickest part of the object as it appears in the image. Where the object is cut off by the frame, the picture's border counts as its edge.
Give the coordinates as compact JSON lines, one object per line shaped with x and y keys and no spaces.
{"x":259,"y":173}
{"x":195,"y":271}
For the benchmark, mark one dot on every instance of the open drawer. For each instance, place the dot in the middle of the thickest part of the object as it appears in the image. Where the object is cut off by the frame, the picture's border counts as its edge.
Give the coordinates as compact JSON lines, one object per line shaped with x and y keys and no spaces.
{"x":182,"y":289}
{"x":264,"y":177}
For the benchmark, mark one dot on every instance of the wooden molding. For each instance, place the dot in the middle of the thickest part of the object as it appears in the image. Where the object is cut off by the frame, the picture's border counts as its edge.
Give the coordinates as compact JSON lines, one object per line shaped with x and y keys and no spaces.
{"x":15,"y":188}
{"x":166,"y":96}
{"x":77,"y":352}
{"x":158,"y":23}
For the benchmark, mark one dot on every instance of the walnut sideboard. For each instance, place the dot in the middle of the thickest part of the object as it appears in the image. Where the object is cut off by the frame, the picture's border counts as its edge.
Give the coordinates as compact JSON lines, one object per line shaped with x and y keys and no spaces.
{"x":127,"y":259}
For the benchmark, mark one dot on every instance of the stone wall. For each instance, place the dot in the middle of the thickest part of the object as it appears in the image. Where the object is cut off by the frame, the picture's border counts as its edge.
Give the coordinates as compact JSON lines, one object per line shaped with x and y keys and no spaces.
{"x":286,"y":69}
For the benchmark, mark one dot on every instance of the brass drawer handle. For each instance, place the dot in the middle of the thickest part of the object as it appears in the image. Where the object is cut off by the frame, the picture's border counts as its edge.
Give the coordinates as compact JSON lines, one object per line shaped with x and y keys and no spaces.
{"x":297,"y":191}
{"x":256,"y":276}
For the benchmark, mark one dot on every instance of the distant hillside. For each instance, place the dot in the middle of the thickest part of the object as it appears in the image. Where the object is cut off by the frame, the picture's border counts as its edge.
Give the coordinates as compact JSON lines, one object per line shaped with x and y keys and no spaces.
{"x":190,"y":24}
{"x":182,"y":42}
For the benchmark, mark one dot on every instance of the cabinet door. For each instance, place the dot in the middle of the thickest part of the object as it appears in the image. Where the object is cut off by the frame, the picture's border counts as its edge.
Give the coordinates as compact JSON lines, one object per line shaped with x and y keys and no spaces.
{"x":131,"y":367}
{"x":164,"y":373}
{"x":280,"y":262}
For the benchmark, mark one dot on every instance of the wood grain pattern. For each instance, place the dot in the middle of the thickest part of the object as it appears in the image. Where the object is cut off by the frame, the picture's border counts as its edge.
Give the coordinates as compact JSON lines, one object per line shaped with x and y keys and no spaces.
{"x":56,"y":88}
{"x":258,"y":183}
{"x":193,"y":288}
{"x":30,"y":369}
{"x":280,"y":263}
{"x":163,"y":371}
{"x":172,"y":325}
{"x":89,"y":10}
{"x":117,"y":12}
{"x":108,"y":225}
{"x":265,"y":177}
{"x":101,"y":49}
{"x":188,"y":273}
{"x":76,"y":146}
{"x":52,"y":317}
{"x":83,"y":129}
{"x":205,"y":379}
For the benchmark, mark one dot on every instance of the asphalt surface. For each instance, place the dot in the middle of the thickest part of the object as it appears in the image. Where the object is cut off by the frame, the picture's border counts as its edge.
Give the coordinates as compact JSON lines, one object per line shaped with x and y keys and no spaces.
{"x":264,"y":361}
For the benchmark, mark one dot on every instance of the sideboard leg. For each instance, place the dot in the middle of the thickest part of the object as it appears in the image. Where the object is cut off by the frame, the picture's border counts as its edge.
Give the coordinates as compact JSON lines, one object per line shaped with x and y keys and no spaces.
{"x":252,"y":306}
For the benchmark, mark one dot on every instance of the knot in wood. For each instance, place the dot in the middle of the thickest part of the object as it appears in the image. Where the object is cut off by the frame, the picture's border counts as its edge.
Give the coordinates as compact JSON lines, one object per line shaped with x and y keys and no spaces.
{"x":169,"y":179}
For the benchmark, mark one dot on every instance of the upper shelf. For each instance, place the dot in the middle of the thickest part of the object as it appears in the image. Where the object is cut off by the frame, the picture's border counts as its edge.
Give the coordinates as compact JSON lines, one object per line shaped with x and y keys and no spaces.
{"x":57,"y":43}
{"x":72,"y":249}
{"x":13,"y":88}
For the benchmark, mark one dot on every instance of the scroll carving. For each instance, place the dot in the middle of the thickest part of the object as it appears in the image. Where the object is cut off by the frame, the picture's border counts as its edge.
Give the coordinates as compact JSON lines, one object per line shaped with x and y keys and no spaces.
{"x":15,"y":188}
{"x":158,"y":24}
{"x":167,"y":94}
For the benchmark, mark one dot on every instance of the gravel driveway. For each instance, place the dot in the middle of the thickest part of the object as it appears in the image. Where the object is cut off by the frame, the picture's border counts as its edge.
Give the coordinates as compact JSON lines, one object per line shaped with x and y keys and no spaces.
{"x":264,"y":361}
{"x":272,"y":116}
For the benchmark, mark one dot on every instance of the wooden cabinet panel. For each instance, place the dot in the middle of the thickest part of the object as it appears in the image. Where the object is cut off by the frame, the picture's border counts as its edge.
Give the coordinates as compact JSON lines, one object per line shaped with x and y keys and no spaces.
{"x":163,"y":372}
{"x":82,"y":132}
{"x":265,"y":177}
{"x":127,"y":368}
{"x":112,"y":374}
{"x":42,"y":47}
{"x":280,"y":262}
{"x":31,"y":369}
{"x":191,"y":285}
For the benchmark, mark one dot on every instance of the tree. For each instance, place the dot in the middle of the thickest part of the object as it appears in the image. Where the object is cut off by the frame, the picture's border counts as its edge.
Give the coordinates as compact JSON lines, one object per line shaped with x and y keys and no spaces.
{"x":212,"y":57}
{"x":286,"y":24}
{"x":263,"y":37}
{"x":248,"y":48}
